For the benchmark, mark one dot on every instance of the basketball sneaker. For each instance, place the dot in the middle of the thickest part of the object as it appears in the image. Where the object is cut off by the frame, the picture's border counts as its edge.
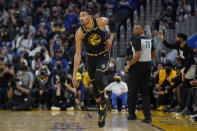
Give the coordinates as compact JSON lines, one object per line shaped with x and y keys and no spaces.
{"x":114,"y":109}
{"x":101,"y":115}
{"x":185,"y":112}
{"x":123,"y":109}
{"x":193,"y":114}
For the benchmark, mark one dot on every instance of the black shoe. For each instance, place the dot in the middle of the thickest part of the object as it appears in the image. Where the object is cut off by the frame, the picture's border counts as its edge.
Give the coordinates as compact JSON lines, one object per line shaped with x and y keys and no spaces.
{"x":2,"y":108}
{"x":193,"y":114}
{"x":101,"y":115}
{"x":147,"y":120}
{"x":167,"y":109}
{"x":132,"y":118}
{"x":185,"y":112}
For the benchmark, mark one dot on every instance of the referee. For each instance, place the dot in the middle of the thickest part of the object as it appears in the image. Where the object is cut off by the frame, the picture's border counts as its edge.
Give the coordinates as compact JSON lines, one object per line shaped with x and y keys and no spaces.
{"x":139,"y":69}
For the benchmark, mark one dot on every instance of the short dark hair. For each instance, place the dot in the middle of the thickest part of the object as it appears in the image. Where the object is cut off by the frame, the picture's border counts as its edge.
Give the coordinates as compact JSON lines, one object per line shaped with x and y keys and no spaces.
{"x":179,"y":66}
{"x":23,"y":67}
{"x":168,"y":63}
{"x":83,"y":9}
{"x":59,"y":51}
{"x":183,"y":36}
{"x":161,"y":64}
{"x":9,"y":65}
{"x":140,"y":25}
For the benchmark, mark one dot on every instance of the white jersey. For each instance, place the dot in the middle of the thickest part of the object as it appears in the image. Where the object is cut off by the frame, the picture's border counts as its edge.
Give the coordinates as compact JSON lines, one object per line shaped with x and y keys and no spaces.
{"x":146,"y":45}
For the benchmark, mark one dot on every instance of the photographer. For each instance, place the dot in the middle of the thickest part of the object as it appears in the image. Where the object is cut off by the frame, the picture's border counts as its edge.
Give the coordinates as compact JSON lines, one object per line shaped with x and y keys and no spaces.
{"x":41,"y":88}
{"x":6,"y":75}
{"x":26,"y":76}
{"x":18,"y":96}
{"x":64,"y":94}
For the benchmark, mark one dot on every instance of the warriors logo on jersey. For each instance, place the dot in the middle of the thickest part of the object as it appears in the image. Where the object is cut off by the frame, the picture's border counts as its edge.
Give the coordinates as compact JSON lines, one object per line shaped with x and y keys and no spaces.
{"x":94,"y":39}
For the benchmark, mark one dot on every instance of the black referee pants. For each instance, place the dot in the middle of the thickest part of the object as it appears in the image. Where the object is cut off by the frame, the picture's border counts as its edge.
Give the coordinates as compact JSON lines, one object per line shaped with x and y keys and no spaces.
{"x":139,"y":78}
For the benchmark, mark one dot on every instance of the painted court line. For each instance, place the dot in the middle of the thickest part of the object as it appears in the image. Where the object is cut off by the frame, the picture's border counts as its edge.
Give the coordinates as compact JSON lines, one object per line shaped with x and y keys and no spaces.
{"x":154,"y":126}
{"x":90,"y":116}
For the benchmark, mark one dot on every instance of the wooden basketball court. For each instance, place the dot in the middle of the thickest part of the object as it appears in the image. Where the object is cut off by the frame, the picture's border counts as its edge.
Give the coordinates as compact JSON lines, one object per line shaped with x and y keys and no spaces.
{"x":87,"y":121}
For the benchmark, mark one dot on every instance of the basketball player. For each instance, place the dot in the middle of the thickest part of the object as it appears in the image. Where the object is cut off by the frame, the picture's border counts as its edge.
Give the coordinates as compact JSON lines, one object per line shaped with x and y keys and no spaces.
{"x":139,"y":69}
{"x":92,"y":33}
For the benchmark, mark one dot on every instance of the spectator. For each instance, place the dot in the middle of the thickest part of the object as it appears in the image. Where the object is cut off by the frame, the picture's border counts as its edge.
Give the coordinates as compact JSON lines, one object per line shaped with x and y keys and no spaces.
{"x":45,"y":67}
{"x":160,"y":66}
{"x":191,"y":101}
{"x":187,"y":7}
{"x":1,"y":62}
{"x":7,"y":42}
{"x":164,"y":85}
{"x":71,"y":20}
{"x":41,"y":88}
{"x":40,"y":55}
{"x":111,"y":15}
{"x":59,"y":57}
{"x":180,"y":12}
{"x":94,"y":7}
{"x":30,"y":27}
{"x":108,"y":78}
{"x":43,"y":29}
{"x":178,"y":79}
{"x":19,"y":59}
{"x":112,"y":4}
{"x":124,"y":11}
{"x":119,"y":91}
{"x":37,"y":62}
{"x":24,"y":41}
{"x":7,"y":56}
{"x":55,"y":44}
{"x":58,"y":26}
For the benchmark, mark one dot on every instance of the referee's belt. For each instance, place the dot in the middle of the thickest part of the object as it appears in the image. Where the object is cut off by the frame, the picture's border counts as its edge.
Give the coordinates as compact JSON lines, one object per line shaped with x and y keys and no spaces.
{"x":97,"y":53}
